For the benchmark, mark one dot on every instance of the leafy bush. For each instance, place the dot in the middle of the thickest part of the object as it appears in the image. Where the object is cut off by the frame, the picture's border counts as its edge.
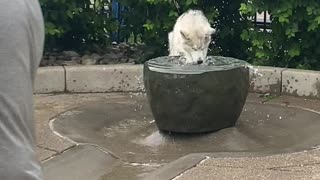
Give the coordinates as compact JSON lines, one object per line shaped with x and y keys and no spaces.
{"x":152,"y":20}
{"x":291,"y":42}
{"x":294,"y":37}
{"x":77,"y":24}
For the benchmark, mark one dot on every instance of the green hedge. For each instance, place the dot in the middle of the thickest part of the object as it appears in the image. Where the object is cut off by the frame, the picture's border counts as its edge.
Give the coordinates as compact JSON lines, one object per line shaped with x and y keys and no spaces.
{"x":292,"y":42}
{"x":77,"y":24}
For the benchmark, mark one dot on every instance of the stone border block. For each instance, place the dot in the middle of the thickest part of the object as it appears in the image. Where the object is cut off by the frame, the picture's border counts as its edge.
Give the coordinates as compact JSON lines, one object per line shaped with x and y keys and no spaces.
{"x":50,"y":80}
{"x":266,"y":80}
{"x":104,"y":78}
{"x":301,"y":83}
{"x":175,"y":168}
{"x":129,"y":78}
{"x":79,"y":163}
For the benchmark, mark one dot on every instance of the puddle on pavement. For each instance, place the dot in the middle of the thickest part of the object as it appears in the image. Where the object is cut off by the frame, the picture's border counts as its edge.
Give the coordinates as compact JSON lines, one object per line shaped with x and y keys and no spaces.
{"x":128,"y":131}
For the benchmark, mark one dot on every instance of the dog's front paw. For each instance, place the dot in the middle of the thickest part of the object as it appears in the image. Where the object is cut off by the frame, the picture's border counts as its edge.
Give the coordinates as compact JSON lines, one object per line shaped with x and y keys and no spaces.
{"x":182,"y":60}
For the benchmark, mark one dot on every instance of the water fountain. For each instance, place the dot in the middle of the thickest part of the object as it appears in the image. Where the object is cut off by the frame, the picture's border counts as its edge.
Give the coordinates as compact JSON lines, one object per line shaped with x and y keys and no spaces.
{"x":187,"y":99}
{"x":196,"y":98}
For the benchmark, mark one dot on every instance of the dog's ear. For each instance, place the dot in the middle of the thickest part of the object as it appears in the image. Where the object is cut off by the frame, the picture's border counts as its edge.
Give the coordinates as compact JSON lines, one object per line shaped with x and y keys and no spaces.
{"x":184,"y":35}
{"x":212,"y":31}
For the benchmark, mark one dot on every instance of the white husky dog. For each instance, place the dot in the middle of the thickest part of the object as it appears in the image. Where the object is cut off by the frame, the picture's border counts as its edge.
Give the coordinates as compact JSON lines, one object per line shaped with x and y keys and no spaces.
{"x":191,"y":37}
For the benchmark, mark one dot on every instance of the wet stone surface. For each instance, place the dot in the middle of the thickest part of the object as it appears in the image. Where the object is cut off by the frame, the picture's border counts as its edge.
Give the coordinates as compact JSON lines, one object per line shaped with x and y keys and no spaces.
{"x":126,"y":129}
{"x":174,"y":65}
{"x":196,"y":96}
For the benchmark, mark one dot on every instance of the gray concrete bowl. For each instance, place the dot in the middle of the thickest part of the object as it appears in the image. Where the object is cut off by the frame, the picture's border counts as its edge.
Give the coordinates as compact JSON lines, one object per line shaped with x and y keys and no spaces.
{"x":196,"y":98}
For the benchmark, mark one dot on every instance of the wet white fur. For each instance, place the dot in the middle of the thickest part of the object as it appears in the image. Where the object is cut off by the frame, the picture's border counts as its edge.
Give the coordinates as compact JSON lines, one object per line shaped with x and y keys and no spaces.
{"x":191,"y":36}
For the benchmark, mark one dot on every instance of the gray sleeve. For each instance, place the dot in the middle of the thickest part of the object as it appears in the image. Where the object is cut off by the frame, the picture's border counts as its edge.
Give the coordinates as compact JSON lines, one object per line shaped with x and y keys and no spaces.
{"x":21,"y":46}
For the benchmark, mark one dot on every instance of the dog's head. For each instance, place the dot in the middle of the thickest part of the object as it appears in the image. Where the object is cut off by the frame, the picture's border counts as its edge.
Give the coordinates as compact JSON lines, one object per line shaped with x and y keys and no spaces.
{"x":196,"y":42}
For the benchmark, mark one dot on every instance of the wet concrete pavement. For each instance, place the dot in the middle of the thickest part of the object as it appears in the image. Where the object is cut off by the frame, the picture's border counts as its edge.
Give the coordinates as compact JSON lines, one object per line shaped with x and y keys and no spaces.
{"x":122,"y":129}
{"x":49,"y":106}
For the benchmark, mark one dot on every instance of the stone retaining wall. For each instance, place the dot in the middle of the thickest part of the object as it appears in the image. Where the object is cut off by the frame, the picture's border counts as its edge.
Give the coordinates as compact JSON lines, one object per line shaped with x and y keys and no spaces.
{"x":129,"y":78}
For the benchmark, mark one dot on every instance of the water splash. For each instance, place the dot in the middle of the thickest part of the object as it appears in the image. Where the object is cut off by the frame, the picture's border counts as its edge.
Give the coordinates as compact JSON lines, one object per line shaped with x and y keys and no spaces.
{"x":137,"y":94}
{"x":177,"y":65}
{"x":140,"y":83}
{"x":254,"y":70}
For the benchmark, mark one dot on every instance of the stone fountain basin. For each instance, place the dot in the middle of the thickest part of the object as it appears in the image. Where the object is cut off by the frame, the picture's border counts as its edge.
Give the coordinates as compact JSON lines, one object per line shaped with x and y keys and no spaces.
{"x":196,"y":98}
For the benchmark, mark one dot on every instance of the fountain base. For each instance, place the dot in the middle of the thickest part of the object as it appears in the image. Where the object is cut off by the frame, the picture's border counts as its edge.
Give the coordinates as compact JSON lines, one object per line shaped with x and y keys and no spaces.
{"x":196,"y":98}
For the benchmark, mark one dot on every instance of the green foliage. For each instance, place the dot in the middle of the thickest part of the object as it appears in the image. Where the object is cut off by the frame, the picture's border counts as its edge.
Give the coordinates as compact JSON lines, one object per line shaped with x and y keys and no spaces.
{"x":76,"y":24}
{"x":292,"y":42}
{"x":152,"y":20}
{"x":294,"y":39}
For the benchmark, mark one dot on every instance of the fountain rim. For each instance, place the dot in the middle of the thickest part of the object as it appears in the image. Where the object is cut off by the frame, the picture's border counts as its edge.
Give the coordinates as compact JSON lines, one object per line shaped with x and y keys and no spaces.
{"x":155,"y":65}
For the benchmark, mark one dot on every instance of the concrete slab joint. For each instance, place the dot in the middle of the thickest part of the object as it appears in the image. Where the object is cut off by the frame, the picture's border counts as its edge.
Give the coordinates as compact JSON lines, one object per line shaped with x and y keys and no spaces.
{"x":301,"y":83}
{"x":81,"y":163}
